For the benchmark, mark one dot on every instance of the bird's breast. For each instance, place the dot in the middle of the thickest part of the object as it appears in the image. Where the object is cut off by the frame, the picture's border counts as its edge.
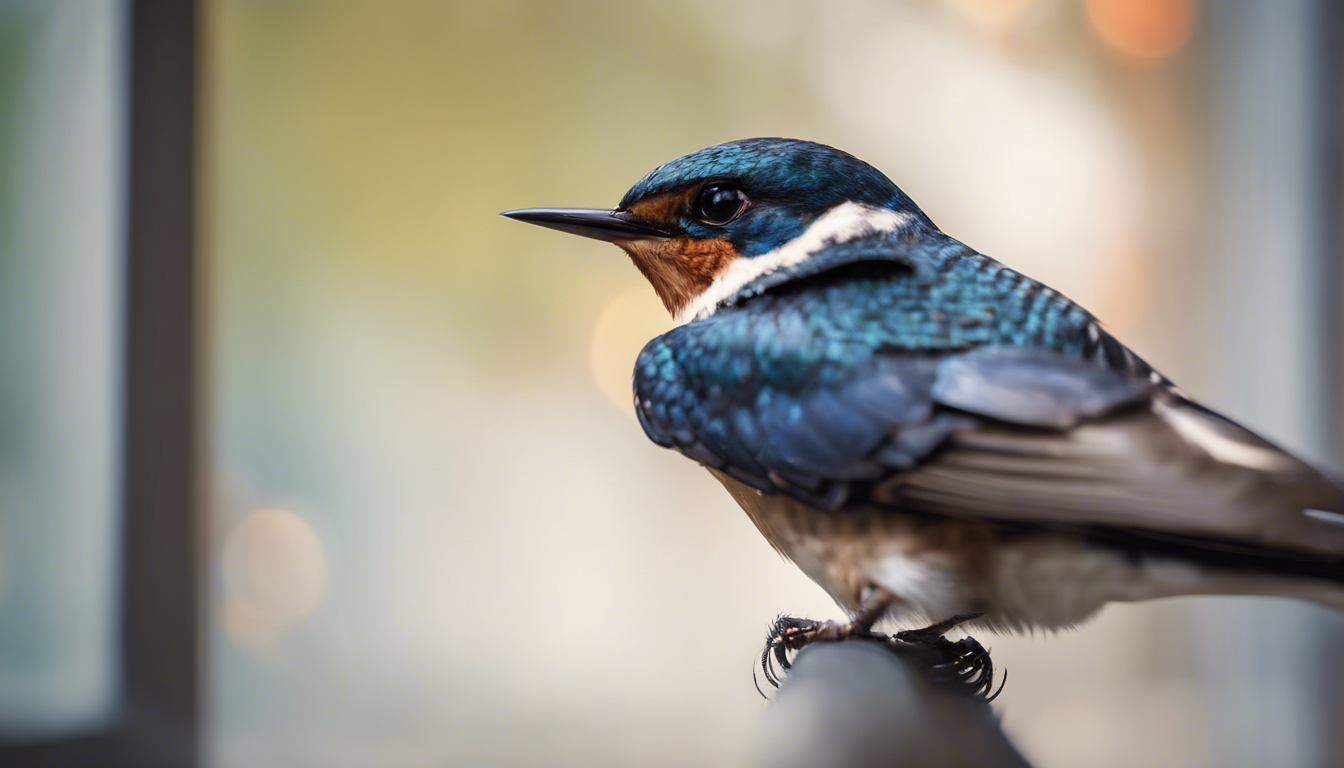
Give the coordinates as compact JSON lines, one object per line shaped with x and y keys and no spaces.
{"x":931,"y":566}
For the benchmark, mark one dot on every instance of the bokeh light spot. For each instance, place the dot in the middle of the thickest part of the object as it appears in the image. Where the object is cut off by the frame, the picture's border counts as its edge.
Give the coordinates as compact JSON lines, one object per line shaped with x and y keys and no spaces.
{"x":274,"y":570}
{"x":626,"y":324}
{"x":991,"y":14}
{"x":1145,"y":29}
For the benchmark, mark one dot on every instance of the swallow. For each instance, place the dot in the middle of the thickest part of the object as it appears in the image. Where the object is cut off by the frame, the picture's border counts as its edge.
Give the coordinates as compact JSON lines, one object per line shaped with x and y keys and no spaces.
{"x":925,"y":432}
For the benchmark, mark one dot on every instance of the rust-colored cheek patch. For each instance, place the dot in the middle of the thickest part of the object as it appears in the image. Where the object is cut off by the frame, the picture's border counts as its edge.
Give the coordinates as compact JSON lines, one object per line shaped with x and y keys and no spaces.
{"x":702,"y":260}
{"x":681,"y":268}
{"x":662,"y":210}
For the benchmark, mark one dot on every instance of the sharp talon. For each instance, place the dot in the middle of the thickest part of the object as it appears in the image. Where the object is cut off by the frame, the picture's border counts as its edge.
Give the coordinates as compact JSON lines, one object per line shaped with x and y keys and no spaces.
{"x":757,"y":682}
{"x":781,"y":664}
{"x":775,"y":653}
{"x":765,"y":669}
{"x":1002,"y":683}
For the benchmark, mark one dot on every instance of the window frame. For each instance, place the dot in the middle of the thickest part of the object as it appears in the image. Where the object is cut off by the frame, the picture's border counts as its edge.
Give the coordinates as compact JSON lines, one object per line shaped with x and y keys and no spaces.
{"x":158,"y":721}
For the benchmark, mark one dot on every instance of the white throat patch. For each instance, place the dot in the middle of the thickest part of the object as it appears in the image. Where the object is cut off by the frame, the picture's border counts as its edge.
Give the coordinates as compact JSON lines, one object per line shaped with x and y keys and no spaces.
{"x":840,"y":224}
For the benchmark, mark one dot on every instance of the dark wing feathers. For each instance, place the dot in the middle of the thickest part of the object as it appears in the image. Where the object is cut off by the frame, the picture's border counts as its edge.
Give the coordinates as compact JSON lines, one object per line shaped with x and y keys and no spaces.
{"x":1137,"y":470}
{"x":1033,"y":387}
{"x":787,"y":394}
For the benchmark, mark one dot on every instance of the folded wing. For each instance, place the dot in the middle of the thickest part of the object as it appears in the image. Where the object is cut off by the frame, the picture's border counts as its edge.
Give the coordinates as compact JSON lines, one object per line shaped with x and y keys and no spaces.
{"x":1018,"y":436}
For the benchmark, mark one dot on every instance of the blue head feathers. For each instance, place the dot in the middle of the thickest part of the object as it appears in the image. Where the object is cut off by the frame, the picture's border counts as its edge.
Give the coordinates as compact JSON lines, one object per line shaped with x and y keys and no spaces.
{"x":704,"y":226}
{"x":788,"y":181}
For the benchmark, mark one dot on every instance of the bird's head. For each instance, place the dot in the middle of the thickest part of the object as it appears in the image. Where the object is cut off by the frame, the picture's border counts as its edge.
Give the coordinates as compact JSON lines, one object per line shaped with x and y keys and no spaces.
{"x":703,"y":226}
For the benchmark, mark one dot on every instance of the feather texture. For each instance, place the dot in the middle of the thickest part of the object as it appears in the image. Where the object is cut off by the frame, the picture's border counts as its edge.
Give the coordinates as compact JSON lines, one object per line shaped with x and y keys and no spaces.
{"x":911,"y":374}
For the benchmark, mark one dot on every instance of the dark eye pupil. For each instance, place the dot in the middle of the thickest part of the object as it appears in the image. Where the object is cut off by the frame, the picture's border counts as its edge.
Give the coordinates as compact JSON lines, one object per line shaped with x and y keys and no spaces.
{"x":720,"y":204}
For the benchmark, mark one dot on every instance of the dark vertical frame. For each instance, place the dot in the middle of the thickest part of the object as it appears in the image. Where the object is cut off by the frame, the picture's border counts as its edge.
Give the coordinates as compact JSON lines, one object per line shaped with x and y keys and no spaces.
{"x":158,"y":724}
{"x":1332,"y":209}
{"x":1331,"y":66}
{"x":161,"y":589}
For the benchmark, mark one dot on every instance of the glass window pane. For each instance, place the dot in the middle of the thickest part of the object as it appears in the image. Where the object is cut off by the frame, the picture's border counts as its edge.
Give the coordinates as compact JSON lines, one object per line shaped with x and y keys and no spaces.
{"x":61,"y":231}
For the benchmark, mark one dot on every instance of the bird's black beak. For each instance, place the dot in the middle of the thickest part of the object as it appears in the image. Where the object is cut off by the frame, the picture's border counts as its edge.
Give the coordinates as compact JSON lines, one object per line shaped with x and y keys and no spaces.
{"x":598,"y":224}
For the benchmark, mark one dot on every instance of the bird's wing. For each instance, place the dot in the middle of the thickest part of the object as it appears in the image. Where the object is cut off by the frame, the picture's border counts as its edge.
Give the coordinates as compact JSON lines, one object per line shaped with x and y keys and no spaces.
{"x":1155,"y":466}
{"x":1015,"y":435}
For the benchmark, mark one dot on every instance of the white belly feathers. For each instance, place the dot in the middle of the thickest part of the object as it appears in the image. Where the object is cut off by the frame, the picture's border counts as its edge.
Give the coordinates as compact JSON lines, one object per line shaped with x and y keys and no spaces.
{"x":939,"y":568}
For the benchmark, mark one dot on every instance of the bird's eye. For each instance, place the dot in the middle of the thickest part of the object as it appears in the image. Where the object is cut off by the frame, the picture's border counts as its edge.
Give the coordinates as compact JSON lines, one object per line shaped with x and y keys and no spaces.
{"x":719,"y":204}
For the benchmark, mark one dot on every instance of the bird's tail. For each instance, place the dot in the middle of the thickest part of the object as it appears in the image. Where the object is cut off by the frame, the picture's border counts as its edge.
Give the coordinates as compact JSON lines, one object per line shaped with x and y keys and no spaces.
{"x":1322,"y":583}
{"x":1329,"y":594}
{"x":1326,"y":592}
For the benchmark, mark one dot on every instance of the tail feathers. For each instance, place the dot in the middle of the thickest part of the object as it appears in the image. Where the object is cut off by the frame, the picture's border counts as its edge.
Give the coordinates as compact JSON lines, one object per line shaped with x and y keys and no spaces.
{"x":1326,"y":592}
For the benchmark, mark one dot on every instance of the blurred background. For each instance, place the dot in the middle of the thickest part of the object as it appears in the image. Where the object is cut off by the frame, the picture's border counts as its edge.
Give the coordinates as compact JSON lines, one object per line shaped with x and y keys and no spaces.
{"x":309,"y":458}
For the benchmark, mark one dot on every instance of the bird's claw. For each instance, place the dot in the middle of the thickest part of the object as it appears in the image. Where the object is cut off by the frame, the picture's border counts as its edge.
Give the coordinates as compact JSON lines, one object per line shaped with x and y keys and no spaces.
{"x":963,"y":662}
{"x":790,"y":634}
{"x":968,"y":664}
{"x":787,"y":636}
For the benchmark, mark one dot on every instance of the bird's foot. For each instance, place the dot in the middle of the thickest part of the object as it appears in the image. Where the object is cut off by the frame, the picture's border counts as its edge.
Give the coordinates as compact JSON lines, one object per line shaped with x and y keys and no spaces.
{"x":968,"y":664}
{"x":963,"y":662}
{"x":789,"y":634}
{"x":966,"y":660}
{"x":931,"y":634}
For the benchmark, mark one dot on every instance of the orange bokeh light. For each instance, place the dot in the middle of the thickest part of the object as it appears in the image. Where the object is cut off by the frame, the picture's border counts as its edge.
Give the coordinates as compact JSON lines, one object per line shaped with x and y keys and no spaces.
{"x":626,"y":324}
{"x":992,"y":13}
{"x":1144,"y":29}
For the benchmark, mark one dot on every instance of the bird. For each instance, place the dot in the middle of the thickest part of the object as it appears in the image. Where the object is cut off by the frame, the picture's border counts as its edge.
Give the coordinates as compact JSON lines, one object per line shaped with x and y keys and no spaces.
{"x":927,"y":433}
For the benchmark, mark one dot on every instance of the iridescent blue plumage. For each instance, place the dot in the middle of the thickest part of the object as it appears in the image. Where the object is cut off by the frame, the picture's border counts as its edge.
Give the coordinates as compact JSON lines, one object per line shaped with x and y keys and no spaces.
{"x":840,"y":370}
{"x":793,"y":180}
{"x":924,"y":430}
